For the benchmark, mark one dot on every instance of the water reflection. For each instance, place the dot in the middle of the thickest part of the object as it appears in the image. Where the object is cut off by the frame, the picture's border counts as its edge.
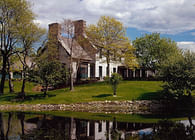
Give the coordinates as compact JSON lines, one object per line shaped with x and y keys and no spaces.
{"x":21,"y":126}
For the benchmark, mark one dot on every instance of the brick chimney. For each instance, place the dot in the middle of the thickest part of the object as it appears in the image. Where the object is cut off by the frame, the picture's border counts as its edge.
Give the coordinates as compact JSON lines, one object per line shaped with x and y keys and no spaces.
{"x":54,"y":30}
{"x":80,"y":26}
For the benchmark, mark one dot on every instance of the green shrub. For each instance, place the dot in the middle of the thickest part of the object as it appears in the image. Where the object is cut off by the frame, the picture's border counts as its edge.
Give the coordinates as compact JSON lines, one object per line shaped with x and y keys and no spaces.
{"x":114,"y":80}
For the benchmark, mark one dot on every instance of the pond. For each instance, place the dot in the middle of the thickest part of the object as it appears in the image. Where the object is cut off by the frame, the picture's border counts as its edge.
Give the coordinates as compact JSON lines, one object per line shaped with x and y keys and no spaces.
{"x":88,"y":126}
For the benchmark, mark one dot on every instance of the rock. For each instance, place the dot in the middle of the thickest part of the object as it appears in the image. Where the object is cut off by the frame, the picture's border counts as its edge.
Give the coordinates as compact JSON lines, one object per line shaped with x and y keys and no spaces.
{"x":95,"y":106}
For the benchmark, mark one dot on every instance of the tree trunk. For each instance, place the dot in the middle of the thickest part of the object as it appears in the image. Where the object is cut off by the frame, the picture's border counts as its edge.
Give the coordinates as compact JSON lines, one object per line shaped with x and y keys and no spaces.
{"x":22,"y":123}
{"x":71,"y":82}
{"x":190,"y":122}
{"x":72,"y":129}
{"x":22,"y":93}
{"x":114,"y":90}
{"x":71,"y":74}
{"x":2,"y":136}
{"x":24,"y":75}
{"x":45,"y":91}
{"x":23,"y":87}
{"x":108,"y":64}
{"x":3,"y":73}
{"x":108,"y":70}
{"x":8,"y":125}
{"x":11,"y":86}
{"x":23,"y":84}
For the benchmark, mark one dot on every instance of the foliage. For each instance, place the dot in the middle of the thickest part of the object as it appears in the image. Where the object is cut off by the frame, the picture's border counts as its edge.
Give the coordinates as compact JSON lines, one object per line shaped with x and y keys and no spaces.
{"x":178,"y":74}
{"x":170,"y":130}
{"x":109,"y":36}
{"x":30,"y":33}
{"x":152,"y":50}
{"x":14,"y":13}
{"x":114,"y":81}
{"x":49,"y":74}
{"x":128,"y":55}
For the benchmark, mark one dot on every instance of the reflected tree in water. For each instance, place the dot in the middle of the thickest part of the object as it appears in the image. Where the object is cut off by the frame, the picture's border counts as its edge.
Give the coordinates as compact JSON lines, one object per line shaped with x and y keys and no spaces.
{"x":48,"y":127}
{"x":113,"y":131}
{"x":8,"y":125}
{"x":21,"y":117}
{"x":3,"y":135}
{"x":170,"y":130}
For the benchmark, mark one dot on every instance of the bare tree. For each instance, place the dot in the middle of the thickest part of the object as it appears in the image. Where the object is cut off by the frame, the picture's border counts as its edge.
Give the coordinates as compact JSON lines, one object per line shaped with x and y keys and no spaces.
{"x":68,"y":30}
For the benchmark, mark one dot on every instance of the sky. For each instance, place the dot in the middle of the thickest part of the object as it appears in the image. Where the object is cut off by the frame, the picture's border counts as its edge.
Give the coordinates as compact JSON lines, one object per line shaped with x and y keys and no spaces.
{"x":174,"y":19}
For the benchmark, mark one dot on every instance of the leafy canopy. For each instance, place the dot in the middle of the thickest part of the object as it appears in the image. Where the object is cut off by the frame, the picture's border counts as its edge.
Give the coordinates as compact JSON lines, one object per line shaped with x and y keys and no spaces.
{"x":152,"y":50}
{"x":49,"y":73}
{"x":109,"y":36}
{"x":178,"y":73}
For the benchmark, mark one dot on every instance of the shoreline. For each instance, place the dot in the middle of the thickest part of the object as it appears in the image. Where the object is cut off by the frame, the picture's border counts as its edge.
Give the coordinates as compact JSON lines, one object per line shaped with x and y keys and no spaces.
{"x":122,"y":107}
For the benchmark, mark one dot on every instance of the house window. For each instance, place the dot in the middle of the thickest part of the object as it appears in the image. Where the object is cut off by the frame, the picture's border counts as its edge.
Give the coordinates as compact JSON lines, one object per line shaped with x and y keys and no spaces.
{"x":107,"y":126}
{"x":99,"y":127}
{"x":92,"y":129}
{"x":100,"y":71}
{"x":92,"y":70}
{"x":84,"y":71}
{"x":114,"y":70}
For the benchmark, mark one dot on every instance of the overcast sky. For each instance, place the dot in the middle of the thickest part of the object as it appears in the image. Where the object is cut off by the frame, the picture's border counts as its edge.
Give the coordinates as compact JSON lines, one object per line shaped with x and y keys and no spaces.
{"x":172,"y":18}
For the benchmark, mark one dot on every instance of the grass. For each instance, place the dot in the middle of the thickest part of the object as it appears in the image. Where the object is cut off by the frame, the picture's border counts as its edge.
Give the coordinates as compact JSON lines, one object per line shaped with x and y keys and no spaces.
{"x":127,"y":90}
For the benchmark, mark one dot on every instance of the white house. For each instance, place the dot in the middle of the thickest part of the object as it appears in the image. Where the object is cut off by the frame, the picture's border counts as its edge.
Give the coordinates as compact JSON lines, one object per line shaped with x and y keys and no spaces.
{"x":86,"y":57}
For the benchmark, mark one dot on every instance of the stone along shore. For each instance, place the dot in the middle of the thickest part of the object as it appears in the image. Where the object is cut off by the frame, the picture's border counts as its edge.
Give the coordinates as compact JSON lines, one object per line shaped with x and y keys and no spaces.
{"x":125,"y":107}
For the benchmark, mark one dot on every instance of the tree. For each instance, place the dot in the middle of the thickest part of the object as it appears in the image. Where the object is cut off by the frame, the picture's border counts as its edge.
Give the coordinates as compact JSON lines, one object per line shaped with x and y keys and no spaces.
{"x":114,"y":81}
{"x":10,"y":64}
{"x":109,"y":37}
{"x":68,"y":30}
{"x":11,"y":60}
{"x":178,"y":74}
{"x":2,"y":135}
{"x":152,"y":50}
{"x":127,"y":53}
{"x":30,"y":33}
{"x":13,"y":14}
{"x":170,"y":130}
{"x":49,"y":74}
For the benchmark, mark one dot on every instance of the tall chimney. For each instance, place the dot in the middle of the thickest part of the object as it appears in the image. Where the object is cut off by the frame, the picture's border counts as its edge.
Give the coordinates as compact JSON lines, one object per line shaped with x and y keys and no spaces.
{"x":80,"y":26}
{"x":53,"y":45}
{"x":54,"y":30}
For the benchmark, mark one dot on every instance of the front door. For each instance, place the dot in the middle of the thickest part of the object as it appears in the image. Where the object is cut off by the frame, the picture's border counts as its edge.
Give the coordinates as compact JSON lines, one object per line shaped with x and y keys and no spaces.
{"x":100,"y":71}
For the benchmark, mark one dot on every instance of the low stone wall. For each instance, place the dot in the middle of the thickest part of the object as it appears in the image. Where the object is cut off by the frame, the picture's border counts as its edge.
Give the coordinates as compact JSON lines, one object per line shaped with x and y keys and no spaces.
{"x":140,"y":107}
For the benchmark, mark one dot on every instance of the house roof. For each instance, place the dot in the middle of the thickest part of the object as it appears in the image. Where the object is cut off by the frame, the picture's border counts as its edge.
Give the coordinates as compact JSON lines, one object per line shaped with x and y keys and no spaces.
{"x":78,"y":51}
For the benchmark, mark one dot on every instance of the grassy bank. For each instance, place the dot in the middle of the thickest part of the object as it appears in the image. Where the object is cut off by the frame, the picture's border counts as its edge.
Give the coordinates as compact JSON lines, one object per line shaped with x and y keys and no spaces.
{"x":127,"y":90}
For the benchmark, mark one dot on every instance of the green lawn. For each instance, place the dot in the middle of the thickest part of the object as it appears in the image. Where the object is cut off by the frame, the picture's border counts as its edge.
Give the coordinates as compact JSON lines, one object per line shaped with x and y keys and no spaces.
{"x":127,"y":90}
